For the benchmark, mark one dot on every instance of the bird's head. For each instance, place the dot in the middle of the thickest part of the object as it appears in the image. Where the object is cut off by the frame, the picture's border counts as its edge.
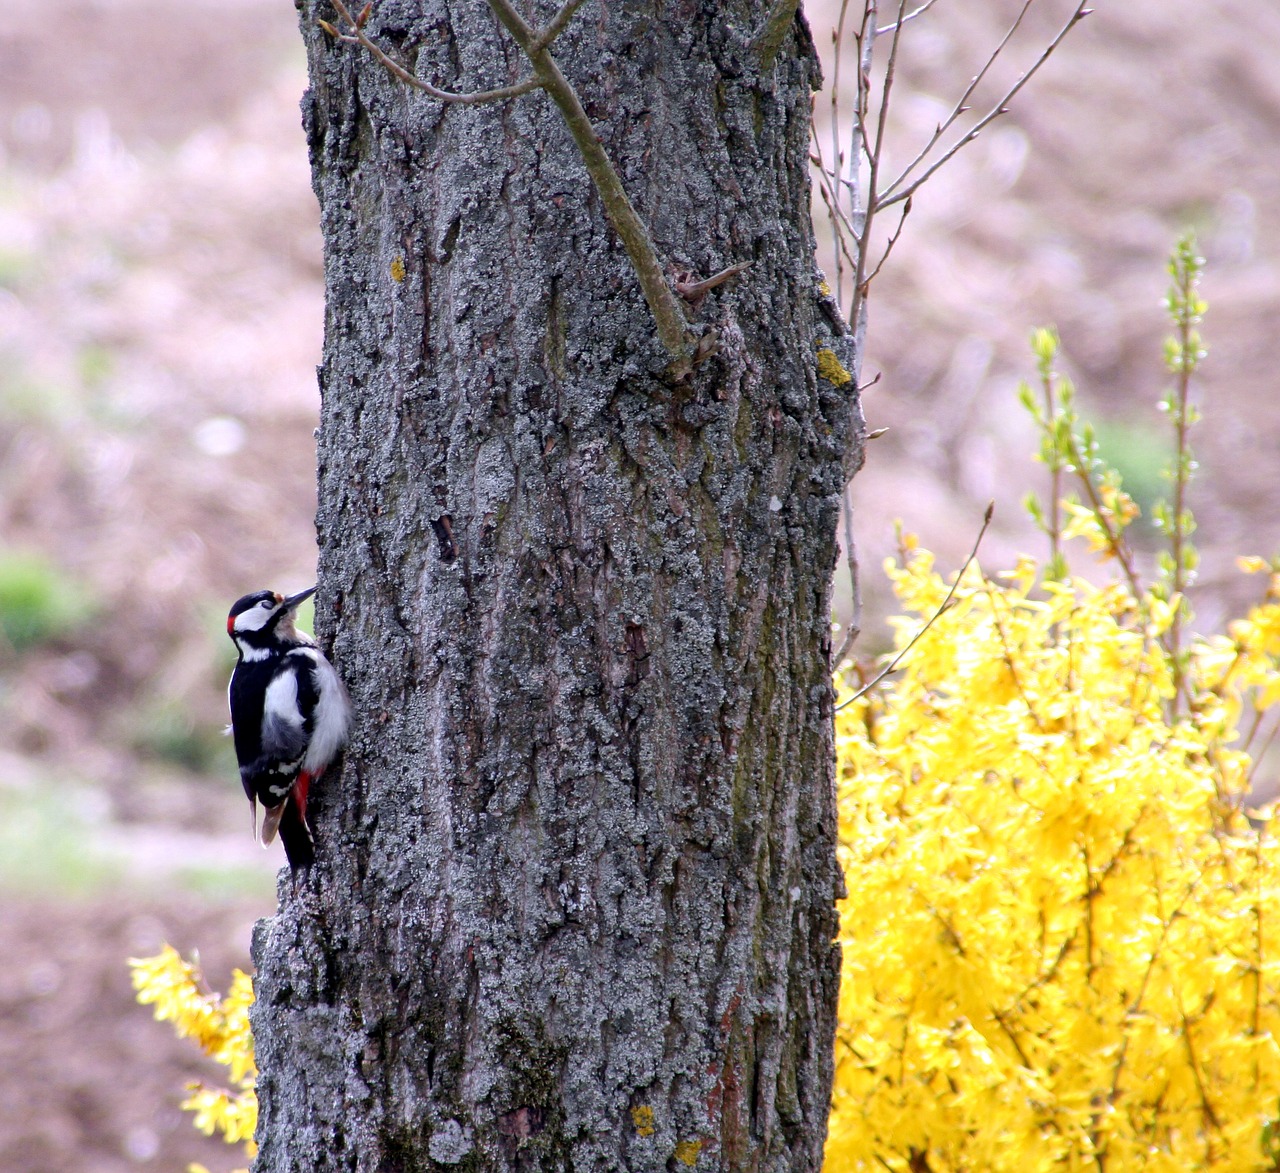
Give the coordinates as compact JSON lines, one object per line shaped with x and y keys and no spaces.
{"x":265,"y":618}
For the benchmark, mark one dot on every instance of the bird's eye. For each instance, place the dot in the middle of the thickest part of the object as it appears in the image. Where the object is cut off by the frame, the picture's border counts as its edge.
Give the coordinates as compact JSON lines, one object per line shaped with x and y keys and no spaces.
{"x":266,"y":603}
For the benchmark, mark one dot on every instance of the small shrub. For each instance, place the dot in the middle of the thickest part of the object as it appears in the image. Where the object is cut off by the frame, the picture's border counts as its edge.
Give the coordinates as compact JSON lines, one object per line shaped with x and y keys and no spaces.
{"x":1062,"y":935}
{"x":37,"y":601}
{"x":220,"y":1027}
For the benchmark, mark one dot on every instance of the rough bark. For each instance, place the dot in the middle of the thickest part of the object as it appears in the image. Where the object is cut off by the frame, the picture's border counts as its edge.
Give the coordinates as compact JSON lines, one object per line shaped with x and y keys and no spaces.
{"x":573,"y":906}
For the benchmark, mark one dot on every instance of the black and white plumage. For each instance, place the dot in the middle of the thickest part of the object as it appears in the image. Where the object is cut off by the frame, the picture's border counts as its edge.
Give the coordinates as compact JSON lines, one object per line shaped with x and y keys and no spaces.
{"x":289,"y":716}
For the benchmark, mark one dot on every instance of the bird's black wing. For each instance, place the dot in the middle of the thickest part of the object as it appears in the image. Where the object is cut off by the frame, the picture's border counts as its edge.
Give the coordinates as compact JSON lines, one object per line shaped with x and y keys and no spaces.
{"x":302,"y":661}
{"x":284,"y":735}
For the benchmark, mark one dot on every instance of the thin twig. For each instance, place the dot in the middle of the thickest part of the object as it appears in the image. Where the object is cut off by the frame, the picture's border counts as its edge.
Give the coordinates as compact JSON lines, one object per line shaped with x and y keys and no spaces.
{"x":910,"y":16}
{"x":842,"y":252}
{"x":1255,"y":1026}
{"x":1053,"y":459}
{"x":834,"y":214}
{"x":1009,"y":661}
{"x":359,"y":37}
{"x":857,"y":148}
{"x":962,"y":103}
{"x":1002,"y":1020}
{"x":1116,"y":543}
{"x":888,"y":248}
{"x":1257,"y":758}
{"x":690,"y":290}
{"x":1184,"y":291}
{"x":1210,"y":1116}
{"x":557,"y":24}
{"x":873,"y":201}
{"x":855,"y":582}
{"x":946,"y":602}
{"x":669,"y":317}
{"x":837,"y":160}
{"x":858,"y":135}
{"x":1131,"y":1013}
{"x":839,"y":219}
{"x":893,"y":196}
{"x":1258,"y":714}
{"x":829,"y":182}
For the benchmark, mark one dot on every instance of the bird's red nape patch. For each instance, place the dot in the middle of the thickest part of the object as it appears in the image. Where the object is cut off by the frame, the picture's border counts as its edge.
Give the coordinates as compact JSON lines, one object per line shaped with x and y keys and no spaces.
{"x":231,"y":624}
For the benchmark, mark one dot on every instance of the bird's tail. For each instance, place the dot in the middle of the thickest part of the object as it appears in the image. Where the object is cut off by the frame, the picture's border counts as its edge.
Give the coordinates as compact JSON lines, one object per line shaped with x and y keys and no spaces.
{"x":299,"y":847}
{"x":289,"y":818}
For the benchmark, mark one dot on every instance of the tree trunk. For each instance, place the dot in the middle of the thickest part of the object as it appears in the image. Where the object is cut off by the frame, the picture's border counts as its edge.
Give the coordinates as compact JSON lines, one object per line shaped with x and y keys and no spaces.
{"x":573,"y":904}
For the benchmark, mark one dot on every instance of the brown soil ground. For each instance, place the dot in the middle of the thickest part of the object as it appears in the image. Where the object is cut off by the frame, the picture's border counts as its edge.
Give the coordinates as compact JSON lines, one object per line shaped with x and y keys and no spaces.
{"x":90,"y":1081}
{"x":160,"y":318}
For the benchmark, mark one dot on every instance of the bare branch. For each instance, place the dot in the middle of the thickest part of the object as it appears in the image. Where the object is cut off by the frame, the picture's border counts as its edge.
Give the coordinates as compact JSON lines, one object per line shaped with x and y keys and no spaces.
{"x":858,"y":138}
{"x":672,"y":326}
{"x":873,"y":201}
{"x":693,"y":290}
{"x":962,"y":105}
{"x":910,"y":16}
{"x":838,"y":225}
{"x":837,"y":160}
{"x":895,"y":192}
{"x":557,"y":24}
{"x":865,"y":42}
{"x":1262,"y":753}
{"x":851,"y":560}
{"x":827,"y":181}
{"x":888,"y":248}
{"x":946,"y":602}
{"x":833,"y":215}
{"x":476,"y":99}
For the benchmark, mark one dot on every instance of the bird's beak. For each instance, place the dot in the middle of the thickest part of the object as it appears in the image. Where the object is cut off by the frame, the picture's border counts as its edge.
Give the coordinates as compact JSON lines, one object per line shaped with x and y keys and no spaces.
{"x":291,"y":603}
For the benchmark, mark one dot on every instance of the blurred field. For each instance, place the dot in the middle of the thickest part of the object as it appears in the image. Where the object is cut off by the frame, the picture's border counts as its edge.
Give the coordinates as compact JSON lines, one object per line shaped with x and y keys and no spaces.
{"x":160,"y":317}
{"x":1153,"y":117}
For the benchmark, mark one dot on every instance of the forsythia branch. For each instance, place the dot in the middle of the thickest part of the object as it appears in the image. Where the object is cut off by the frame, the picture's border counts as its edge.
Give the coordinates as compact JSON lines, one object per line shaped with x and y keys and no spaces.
{"x":220,"y":1026}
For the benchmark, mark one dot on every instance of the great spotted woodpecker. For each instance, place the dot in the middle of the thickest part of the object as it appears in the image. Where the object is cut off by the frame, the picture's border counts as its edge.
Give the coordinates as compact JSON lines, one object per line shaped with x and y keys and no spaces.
{"x":289,"y":716}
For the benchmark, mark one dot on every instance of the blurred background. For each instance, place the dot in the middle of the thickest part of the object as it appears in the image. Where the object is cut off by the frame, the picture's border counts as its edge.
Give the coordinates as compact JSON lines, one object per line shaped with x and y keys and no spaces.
{"x":161,"y":309}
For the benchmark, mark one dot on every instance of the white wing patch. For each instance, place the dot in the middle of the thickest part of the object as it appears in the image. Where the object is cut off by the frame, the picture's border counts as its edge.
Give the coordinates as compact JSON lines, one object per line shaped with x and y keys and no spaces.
{"x":281,"y":702}
{"x":283,"y":736}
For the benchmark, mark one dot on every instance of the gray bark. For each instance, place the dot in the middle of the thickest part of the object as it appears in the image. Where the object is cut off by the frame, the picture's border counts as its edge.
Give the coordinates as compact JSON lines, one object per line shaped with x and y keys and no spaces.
{"x":573,"y":904}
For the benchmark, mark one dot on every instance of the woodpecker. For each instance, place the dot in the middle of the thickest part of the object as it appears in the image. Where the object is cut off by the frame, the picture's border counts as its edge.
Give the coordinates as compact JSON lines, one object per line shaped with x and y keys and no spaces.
{"x":289,"y":716}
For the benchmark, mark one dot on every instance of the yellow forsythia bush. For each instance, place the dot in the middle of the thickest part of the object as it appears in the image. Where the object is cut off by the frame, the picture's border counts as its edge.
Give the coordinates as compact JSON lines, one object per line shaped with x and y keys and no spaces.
{"x":1062,"y":930}
{"x":1062,"y":933}
{"x":220,"y":1026}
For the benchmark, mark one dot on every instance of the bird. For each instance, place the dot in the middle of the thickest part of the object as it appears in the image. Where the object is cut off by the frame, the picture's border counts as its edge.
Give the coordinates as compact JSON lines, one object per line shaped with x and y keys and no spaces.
{"x":290,"y":716}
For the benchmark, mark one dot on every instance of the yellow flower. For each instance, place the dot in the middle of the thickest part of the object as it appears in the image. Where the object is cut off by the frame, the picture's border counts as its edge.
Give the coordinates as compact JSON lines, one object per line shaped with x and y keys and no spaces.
{"x":1061,"y":944}
{"x":221,"y":1028}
